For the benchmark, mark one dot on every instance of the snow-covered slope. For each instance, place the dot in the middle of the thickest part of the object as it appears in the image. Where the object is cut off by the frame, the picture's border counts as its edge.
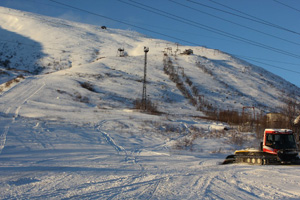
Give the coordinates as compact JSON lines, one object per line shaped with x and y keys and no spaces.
{"x":68,"y":130}
{"x":41,"y":44}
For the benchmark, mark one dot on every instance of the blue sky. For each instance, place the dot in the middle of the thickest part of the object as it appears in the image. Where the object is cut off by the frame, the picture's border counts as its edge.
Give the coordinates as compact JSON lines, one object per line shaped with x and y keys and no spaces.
{"x":266,"y":31}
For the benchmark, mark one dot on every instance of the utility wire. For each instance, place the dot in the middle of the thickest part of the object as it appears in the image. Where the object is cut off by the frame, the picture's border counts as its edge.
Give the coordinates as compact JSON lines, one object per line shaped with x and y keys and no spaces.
{"x":82,"y":10}
{"x":126,"y":23}
{"x":203,"y":27}
{"x":275,"y":61}
{"x":274,"y":66}
{"x":38,"y":2}
{"x":208,"y":28}
{"x":250,"y":17}
{"x":241,"y":25}
{"x":122,"y":22}
{"x":287,"y":5}
{"x":65,"y":24}
{"x":160,"y":27}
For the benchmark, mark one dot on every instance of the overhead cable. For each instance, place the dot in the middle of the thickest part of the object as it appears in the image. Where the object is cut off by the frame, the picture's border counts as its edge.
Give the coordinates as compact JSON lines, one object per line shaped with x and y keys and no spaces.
{"x":250,"y":17}
{"x":126,"y":23}
{"x":122,"y":22}
{"x":208,"y":28}
{"x":229,"y":21}
{"x":287,"y":6}
{"x":274,"y":66}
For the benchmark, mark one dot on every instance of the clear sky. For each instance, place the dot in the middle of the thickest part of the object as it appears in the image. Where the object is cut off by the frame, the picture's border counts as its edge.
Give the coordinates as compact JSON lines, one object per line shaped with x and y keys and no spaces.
{"x":265,"y":31}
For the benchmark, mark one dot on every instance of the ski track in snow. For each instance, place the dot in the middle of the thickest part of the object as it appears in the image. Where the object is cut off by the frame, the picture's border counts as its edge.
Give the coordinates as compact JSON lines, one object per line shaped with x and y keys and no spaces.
{"x":129,"y":157}
{"x":102,"y":173}
{"x":66,"y":141}
{"x":14,"y":100}
{"x":100,"y":176}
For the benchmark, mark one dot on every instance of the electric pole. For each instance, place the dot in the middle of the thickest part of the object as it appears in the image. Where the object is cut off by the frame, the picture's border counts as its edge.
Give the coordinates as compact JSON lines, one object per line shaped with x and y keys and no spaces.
{"x":144,"y":97}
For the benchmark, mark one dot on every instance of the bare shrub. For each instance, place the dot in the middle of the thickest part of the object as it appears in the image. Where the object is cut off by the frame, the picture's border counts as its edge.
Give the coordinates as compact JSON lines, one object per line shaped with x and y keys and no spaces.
{"x":289,"y":112}
{"x":88,"y":86}
{"x":237,"y":138}
{"x":186,"y":93}
{"x":8,"y":83}
{"x":195,"y":91}
{"x":217,"y":133}
{"x":147,"y":106}
{"x":5,"y":63}
{"x":228,"y":116}
{"x":21,"y":76}
{"x":185,"y":143}
{"x":217,"y":151}
{"x":15,"y":80}
{"x":186,"y":90}
{"x":80,"y":98}
{"x":61,"y":92}
{"x":188,"y":81}
{"x":205,"y":106}
{"x":3,"y":72}
{"x":204,"y":69}
{"x":261,"y":125}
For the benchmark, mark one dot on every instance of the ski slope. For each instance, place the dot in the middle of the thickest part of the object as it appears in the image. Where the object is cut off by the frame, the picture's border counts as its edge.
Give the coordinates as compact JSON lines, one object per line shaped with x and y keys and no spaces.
{"x":69,"y":130}
{"x":55,"y":160}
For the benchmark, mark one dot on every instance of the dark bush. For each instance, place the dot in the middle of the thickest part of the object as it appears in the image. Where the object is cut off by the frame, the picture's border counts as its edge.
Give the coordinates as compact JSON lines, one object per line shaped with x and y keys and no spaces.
{"x":147,"y":106}
{"x":88,"y":86}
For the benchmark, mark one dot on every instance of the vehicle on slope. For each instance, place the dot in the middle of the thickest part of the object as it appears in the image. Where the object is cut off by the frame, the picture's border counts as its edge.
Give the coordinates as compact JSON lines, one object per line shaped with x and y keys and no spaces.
{"x":278,"y":147}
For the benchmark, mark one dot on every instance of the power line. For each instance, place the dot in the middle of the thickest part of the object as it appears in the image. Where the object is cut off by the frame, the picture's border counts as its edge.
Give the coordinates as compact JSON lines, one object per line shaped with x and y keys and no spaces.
{"x":287,"y":6}
{"x":45,"y":4}
{"x":276,"y":61}
{"x":65,"y":24}
{"x":122,"y":22}
{"x":250,"y":17}
{"x":126,"y":23}
{"x":160,"y":27}
{"x":241,"y":25}
{"x":208,"y":28}
{"x":185,"y":21}
{"x":274,"y":66}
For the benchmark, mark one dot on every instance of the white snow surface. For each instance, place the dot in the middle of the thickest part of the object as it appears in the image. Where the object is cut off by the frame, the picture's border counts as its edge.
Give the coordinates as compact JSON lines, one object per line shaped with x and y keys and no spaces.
{"x":69,"y":130}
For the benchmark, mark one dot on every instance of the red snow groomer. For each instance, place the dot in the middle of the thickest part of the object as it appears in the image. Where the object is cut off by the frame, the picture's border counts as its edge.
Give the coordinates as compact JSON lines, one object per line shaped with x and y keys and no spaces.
{"x":278,"y":147}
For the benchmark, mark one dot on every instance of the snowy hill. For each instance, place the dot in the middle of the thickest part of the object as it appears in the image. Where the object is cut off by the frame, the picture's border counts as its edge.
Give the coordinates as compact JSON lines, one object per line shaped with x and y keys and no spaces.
{"x":39,"y":45}
{"x":69,"y":130}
